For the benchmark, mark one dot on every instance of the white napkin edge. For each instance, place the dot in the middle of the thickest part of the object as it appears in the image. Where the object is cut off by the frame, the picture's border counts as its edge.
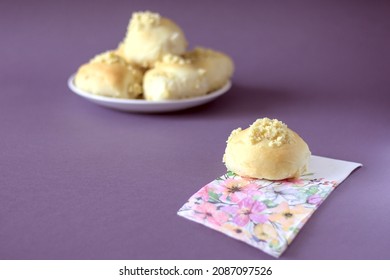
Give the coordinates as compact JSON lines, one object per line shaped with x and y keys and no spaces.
{"x":330,"y":169}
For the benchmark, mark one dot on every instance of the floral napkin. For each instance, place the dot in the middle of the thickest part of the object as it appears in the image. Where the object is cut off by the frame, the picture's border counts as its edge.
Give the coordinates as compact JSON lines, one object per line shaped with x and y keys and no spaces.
{"x":265,"y":214}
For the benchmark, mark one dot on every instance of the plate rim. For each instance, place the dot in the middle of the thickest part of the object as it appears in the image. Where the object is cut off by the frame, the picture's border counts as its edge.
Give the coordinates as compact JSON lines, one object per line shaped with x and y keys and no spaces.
{"x":113,"y":100}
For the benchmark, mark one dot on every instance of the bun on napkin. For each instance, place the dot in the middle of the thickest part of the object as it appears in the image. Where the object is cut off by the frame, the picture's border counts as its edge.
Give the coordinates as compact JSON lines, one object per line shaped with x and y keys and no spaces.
{"x":268,"y":149}
{"x":108,"y":74}
{"x":150,"y":36}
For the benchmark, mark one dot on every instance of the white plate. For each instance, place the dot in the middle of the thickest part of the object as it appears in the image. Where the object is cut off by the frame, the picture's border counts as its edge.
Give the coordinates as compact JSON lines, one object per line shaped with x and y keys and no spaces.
{"x":143,"y":106}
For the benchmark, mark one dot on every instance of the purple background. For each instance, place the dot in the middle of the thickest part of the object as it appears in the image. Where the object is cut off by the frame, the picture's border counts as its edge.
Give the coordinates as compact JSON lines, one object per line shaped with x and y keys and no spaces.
{"x":78,"y":181}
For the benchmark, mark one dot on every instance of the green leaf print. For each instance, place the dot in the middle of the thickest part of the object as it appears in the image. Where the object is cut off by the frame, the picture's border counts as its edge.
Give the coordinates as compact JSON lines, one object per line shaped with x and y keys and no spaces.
{"x":213,"y":196}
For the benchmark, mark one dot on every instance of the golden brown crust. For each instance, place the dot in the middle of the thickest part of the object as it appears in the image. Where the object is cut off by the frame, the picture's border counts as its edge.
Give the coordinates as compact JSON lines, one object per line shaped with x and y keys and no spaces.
{"x":109,"y":75}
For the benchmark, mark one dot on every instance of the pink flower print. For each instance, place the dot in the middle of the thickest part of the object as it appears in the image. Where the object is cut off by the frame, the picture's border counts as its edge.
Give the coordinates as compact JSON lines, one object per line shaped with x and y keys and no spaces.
{"x":294,"y":182}
{"x":247,"y":210}
{"x":203,"y":193}
{"x":234,"y":190}
{"x":208,"y":211}
{"x":314,"y":199}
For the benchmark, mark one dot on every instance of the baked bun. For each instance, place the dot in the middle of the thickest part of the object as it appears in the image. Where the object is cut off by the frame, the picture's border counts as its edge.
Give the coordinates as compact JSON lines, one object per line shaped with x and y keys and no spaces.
{"x":120,"y":50}
{"x":174,"y":78}
{"x":268,"y":149}
{"x":149,"y":37}
{"x":110,"y":75}
{"x":218,"y":66}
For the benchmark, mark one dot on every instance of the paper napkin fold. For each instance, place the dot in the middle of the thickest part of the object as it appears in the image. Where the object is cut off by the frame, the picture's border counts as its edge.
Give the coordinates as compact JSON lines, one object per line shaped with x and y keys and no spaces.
{"x":266,"y":214}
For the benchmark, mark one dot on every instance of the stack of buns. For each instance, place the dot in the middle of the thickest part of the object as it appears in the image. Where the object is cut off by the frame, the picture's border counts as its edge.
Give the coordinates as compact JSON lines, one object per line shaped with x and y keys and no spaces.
{"x":152,"y":62}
